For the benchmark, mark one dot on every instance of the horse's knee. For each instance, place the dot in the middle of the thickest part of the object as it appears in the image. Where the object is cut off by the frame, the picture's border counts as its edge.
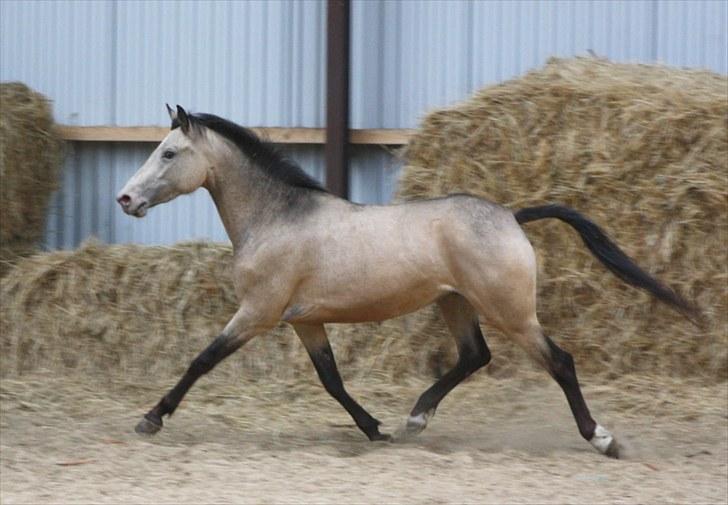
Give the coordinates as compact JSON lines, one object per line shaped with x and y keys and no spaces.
{"x":203,"y":363}
{"x":218,"y":350}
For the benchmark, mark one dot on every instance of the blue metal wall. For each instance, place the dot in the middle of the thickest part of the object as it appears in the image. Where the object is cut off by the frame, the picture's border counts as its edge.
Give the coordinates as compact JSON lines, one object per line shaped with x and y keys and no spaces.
{"x":262,"y":63}
{"x":412,"y":56}
{"x":106,"y":62}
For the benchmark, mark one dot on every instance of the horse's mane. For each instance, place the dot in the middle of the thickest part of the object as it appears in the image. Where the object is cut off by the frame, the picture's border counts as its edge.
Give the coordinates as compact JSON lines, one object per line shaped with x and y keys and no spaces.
{"x":263,"y":154}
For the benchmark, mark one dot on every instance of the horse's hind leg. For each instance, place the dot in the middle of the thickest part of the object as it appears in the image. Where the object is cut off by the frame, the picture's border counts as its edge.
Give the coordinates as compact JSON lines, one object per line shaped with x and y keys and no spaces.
{"x":473,"y":353}
{"x":317,"y":345}
{"x":560,"y":365}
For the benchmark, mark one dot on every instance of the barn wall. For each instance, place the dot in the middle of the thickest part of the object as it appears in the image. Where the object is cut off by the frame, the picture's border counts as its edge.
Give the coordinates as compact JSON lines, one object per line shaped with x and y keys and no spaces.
{"x":262,"y":63}
{"x":409,"y":57}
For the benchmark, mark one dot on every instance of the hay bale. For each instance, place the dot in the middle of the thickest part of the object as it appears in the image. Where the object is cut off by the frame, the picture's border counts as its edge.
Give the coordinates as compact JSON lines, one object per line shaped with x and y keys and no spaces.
{"x":642,"y":150}
{"x":135,"y":311}
{"x":30,"y":157}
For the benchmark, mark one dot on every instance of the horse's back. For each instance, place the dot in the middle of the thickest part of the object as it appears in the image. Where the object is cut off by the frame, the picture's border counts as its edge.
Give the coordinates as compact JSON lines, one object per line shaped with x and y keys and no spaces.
{"x":375,"y":262}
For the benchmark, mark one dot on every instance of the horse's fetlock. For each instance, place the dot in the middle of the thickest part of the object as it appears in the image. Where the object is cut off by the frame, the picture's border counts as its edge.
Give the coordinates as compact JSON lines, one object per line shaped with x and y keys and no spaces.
{"x":166,"y":406}
{"x":587,"y":430}
{"x":370,"y":428}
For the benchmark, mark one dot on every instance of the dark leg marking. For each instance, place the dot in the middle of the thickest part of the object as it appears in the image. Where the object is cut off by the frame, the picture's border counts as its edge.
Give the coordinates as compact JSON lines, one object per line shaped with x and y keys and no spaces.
{"x":218,"y":350}
{"x":560,"y":365}
{"x":323,"y":360}
{"x":473,"y":353}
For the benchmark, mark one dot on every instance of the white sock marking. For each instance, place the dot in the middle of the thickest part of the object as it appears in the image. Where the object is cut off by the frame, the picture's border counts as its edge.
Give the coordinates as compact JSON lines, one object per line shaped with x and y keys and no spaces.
{"x":418,"y":420}
{"x":601,"y":439}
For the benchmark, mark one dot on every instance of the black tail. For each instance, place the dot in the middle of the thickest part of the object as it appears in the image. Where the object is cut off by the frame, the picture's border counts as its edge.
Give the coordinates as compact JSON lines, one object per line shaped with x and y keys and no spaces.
{"x":611,"y":256}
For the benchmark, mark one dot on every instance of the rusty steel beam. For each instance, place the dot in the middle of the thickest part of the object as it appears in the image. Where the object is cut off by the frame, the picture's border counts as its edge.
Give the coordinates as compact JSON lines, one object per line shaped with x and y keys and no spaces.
{"x":337,"y":97}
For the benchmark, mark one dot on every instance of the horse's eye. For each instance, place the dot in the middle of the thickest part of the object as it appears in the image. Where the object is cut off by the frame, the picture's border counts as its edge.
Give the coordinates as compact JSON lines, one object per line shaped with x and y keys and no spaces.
{"x":168,"y":155}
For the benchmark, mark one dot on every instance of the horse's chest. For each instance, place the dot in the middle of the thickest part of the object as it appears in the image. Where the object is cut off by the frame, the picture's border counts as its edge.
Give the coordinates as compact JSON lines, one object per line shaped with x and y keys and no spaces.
{"x":264,"y":275}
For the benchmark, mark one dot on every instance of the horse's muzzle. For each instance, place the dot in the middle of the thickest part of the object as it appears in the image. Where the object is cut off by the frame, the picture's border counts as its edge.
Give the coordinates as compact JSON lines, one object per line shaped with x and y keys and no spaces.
{"x":133,"y":206}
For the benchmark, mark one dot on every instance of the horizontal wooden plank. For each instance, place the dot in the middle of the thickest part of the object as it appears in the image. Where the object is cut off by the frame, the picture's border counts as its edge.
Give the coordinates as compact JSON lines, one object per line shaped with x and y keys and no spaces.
{"x":112,"y":133}
{"x":381,"y":136}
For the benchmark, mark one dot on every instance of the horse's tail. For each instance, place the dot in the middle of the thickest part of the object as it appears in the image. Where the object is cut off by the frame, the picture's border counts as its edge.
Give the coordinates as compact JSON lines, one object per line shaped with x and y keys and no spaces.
{"x":611,"y":256}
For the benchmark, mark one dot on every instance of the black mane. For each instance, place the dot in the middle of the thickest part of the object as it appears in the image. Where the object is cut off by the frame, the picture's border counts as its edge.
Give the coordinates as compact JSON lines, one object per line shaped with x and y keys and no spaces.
{"x":266,"y":156}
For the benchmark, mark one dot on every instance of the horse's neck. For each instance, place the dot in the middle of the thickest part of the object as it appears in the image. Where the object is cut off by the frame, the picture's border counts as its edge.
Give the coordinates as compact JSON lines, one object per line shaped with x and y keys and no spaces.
{"x":245,"y":198}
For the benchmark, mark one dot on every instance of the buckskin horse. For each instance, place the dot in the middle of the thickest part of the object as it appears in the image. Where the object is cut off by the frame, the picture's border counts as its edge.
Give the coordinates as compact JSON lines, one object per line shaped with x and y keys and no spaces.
{"x":307,"y":257}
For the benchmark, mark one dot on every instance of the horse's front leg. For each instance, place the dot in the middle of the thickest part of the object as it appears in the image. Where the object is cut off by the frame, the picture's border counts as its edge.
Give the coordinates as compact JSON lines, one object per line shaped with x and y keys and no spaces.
{"x":317,"y":345}
{"x":242,"y":327}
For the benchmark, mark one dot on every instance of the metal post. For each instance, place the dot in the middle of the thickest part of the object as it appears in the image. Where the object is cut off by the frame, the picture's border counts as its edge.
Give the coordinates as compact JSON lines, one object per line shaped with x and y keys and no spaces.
{"x":337,"y":97}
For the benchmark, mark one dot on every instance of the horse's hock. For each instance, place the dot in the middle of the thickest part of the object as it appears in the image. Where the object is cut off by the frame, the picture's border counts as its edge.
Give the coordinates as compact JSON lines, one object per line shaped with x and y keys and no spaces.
{"x":642,"y":150}
{"x":30,"y":158}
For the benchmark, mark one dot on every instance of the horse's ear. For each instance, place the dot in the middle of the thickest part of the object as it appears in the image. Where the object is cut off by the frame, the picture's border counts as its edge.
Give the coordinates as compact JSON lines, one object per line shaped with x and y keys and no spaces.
{"x":184,"y":120}
{"x":173,"y":116}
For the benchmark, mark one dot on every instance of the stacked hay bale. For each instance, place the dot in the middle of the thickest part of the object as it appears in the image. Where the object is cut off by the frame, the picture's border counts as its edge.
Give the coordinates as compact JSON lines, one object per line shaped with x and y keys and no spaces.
{"x":30,"y":157}
{"x":643,"y":151}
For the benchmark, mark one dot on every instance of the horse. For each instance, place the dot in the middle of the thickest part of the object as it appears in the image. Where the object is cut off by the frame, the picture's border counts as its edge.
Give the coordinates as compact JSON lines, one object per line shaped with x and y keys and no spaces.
{"x":307,"y":257}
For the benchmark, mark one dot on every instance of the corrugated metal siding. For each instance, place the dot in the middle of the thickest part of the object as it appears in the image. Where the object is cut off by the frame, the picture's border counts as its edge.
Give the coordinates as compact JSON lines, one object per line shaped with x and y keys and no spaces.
{"x":259,"y":62}
{"x":262,"y":63}
{"x":410,"y":57}
{"x":63,"y":50}
{"x":106,"y":62}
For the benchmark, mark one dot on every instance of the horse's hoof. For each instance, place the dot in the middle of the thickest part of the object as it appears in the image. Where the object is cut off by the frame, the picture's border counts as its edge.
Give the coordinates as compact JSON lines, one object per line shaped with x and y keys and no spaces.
{"x":604,"y":442}
{"x":415,"y":425}
{"x":408,"y":431}
{"x":612,"y":450}
{"x":149,"y":425}
{"x":381,"y":437}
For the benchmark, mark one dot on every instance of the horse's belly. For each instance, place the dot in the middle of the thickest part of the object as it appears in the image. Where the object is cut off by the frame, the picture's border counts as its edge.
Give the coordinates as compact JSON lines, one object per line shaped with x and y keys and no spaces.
{"x":374,"y":269}
{"x":362,"y":304}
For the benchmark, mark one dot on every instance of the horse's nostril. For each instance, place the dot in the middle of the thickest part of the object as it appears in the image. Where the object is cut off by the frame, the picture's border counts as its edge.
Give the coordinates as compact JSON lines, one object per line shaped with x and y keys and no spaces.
{"x":124,"y":200}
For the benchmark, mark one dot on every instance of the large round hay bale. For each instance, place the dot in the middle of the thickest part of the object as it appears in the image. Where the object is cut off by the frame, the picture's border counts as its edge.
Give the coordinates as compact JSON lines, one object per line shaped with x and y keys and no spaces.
{"x":30,"y":157}
{"x":134,"y":311}
{"x":643,"y":151}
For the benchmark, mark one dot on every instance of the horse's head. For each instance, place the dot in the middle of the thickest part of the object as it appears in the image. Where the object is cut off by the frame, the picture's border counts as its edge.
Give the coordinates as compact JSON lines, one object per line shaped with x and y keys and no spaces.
{"x":179,"y":165}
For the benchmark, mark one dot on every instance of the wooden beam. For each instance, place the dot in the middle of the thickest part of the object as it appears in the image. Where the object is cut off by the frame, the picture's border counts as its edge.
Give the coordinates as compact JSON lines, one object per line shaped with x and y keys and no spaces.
{"x":381,"y":136}
{"x":373,"y":136}
{"x":157,"y":133}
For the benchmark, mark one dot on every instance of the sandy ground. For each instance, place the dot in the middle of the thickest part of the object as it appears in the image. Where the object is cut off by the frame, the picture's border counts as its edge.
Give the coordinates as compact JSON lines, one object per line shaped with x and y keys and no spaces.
{"x":492,"y":441}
